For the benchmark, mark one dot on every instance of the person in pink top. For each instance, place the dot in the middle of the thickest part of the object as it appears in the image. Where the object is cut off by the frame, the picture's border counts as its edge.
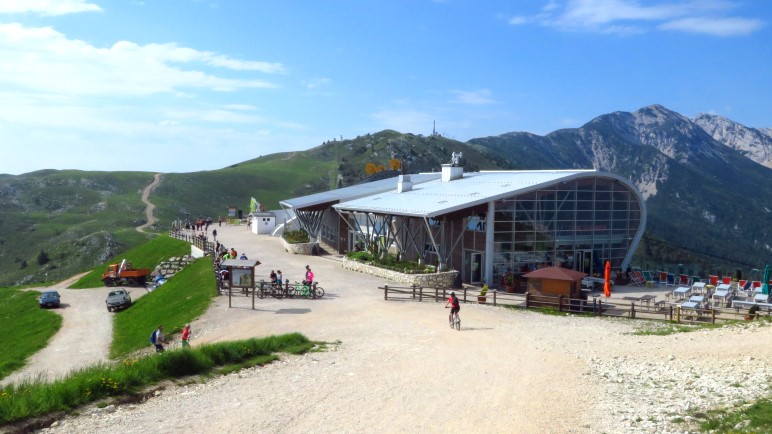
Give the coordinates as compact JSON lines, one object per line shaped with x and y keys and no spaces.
{"x":309,"y":276}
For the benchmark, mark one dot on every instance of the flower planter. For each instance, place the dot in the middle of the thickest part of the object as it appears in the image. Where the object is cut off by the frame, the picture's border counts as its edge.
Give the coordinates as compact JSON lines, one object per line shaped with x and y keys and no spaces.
{"x":481,"y":299}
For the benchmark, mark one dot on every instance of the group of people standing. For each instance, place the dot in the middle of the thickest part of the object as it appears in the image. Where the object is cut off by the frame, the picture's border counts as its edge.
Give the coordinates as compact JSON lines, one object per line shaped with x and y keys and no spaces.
{"x":277,"y":278}
{"x":158,"y":339}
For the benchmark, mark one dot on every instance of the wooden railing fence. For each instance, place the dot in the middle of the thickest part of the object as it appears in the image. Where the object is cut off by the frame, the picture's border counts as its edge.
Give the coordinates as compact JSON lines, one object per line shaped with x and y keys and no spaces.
{"x":595,"y":306}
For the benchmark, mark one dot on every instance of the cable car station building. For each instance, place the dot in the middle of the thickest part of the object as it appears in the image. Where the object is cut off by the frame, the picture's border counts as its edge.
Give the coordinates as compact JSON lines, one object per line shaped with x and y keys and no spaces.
{"x":484,"y":224}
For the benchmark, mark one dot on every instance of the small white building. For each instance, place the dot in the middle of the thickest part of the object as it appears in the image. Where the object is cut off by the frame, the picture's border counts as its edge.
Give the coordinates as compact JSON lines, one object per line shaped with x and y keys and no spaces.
{"x":262,"y":222}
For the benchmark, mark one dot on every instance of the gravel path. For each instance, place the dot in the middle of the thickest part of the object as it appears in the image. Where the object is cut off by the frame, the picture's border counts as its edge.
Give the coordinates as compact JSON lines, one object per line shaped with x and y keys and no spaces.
{"x":149,"y":206}
{"x":400,"y":368}
{"x":83,"y":339}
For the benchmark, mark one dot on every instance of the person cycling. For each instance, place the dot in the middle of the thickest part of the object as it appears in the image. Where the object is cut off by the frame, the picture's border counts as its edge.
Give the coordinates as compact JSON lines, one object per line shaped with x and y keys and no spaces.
{"x":455,"y":306}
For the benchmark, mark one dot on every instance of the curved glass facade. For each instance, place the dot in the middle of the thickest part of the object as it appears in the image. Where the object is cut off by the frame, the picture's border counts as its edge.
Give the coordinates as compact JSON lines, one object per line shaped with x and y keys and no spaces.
{"x":577,"y":224}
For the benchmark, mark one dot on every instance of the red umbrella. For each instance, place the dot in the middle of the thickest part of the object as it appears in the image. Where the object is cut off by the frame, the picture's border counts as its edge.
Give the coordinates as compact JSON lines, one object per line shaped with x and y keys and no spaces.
{"x":607,"y":280}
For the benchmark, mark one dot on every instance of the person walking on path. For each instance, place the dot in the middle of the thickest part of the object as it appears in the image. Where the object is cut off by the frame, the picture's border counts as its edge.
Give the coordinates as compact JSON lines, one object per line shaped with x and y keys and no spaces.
{"x":309,"y":276}
{"x":158,"y":339}
{"x":186,"y":336}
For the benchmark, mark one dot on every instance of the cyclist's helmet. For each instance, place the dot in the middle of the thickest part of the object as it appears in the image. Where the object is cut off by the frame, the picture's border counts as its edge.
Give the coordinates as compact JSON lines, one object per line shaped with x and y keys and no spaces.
{"x":452,"y":293}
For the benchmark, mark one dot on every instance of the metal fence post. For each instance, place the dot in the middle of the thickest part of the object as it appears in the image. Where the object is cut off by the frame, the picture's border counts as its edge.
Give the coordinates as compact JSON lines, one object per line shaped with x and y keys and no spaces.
{"x":413,"y":291}
{"x":420,"y":293}
{"x":385,"y":292}
{"x":560,"y":303}
{"x":494,"y":297}
{"x":527,"y":296}
{"x":632,"y":310}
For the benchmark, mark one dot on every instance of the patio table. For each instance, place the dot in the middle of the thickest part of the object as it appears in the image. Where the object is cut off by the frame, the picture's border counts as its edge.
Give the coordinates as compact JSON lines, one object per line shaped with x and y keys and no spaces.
{"x":690,"y":305}
{"x":681,"y":291}
{"x":648,"y":298}
{"x":721,"y":294}
{"x":699,"y":287}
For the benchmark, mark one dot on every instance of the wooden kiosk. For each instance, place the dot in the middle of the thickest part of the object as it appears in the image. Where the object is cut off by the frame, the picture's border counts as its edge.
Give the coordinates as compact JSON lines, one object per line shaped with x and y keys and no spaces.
{"x":241,"y":274}
{"x":555,"y":282}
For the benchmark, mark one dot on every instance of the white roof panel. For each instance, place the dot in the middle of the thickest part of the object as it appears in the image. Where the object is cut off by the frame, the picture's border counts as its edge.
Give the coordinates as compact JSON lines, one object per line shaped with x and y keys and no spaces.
{"x":354,"y":191}
{"x":434,"y":198}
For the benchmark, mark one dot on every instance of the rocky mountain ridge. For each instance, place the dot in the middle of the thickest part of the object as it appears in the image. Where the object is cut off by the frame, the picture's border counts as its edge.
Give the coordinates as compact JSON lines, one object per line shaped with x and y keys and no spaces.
{"x":703,"y":195}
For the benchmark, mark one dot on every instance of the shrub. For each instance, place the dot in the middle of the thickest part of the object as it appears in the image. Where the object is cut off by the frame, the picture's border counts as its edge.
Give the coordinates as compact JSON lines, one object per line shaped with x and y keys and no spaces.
{"x":295,"y":237}
{"x":390,"y":262}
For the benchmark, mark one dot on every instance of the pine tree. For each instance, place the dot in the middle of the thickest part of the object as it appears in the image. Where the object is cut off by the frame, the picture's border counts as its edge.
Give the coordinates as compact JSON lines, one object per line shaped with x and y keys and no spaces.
{"x":42,"y":258}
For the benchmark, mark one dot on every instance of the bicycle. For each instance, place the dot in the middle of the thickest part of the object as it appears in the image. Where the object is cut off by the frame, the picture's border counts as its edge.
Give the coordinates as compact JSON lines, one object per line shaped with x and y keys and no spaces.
{"x":273,"y":289}
{"x":456,"y":323}
{"x":305,"y":290}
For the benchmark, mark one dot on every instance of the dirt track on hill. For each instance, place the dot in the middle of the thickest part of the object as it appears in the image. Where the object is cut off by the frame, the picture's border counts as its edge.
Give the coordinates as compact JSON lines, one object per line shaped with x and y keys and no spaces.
{"x":400,"y":368}
{"x":149,"y":206}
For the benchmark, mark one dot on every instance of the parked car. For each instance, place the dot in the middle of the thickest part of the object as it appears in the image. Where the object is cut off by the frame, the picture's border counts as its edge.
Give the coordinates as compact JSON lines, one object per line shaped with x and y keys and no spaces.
{"x":49,"y":298}
{"x":118,"y":299}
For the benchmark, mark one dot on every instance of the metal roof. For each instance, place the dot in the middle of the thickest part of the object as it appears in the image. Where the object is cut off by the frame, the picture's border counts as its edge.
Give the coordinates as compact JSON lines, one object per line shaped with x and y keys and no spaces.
{"x":354,"y":191}
{"x":434,"y":198}
{"x":240,"y":263}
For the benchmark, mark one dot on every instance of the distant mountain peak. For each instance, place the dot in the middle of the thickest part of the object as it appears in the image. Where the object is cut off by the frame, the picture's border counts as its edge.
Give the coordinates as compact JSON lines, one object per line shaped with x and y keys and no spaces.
{"x":753,"y":143}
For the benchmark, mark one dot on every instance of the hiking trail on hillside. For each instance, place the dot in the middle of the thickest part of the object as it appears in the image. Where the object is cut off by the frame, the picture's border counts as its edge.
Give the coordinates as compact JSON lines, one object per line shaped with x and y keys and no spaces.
{"x":149,"y":207}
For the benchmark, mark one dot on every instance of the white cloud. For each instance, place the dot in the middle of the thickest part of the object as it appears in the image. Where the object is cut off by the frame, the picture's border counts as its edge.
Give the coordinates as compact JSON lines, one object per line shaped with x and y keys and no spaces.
{"x":715,"y":26}
{"x":630,"y":16}
{"x":316,"y":83}
{"x":477,"y":97}
{"x":42,"y":59}
{"x":518,"y":20}
{"x":47,"y":7}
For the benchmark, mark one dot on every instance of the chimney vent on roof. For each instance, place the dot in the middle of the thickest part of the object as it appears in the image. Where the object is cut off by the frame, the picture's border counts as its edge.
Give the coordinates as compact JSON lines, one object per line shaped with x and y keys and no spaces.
{"x":404,"y":184}
{"x":454,"y":170}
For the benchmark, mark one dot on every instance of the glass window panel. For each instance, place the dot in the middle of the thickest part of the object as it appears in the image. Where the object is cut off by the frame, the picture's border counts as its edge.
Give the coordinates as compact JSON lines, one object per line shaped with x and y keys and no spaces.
{"x":502,"y":236}
{"x":584,"y":215}
{"x":566,"y":215}
{"x":502,"y":226}
{"x":505,"y":215}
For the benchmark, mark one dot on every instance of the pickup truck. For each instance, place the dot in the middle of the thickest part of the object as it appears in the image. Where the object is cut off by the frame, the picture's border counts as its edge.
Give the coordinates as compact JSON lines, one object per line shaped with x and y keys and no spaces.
{"x":118,"y":299}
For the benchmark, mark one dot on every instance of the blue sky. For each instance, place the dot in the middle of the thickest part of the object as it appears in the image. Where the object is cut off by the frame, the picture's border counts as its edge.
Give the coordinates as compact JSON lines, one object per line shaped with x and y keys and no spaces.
{"x":188,"y":85}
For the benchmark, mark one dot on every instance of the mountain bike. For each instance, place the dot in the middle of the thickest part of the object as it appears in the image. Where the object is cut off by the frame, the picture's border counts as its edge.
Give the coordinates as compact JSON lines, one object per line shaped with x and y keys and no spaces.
{"x":456,"y":323}
{"x":305,"y":290}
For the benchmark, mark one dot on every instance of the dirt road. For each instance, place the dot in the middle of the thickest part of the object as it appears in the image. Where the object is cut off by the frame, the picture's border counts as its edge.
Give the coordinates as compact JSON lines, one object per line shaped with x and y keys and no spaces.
{"x":84,"y":337}
{"x":149,"y":206}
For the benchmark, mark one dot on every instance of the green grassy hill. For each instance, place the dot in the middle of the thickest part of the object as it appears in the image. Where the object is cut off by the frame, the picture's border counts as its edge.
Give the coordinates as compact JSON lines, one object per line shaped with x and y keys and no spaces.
{"x":54,"y":224}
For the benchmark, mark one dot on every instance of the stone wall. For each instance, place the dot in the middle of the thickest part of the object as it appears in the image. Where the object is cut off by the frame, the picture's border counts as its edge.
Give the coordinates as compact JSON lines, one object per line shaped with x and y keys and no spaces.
{"x":444,"y":279}
{"x":299,"y":248}
{"x":173,"y":266}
